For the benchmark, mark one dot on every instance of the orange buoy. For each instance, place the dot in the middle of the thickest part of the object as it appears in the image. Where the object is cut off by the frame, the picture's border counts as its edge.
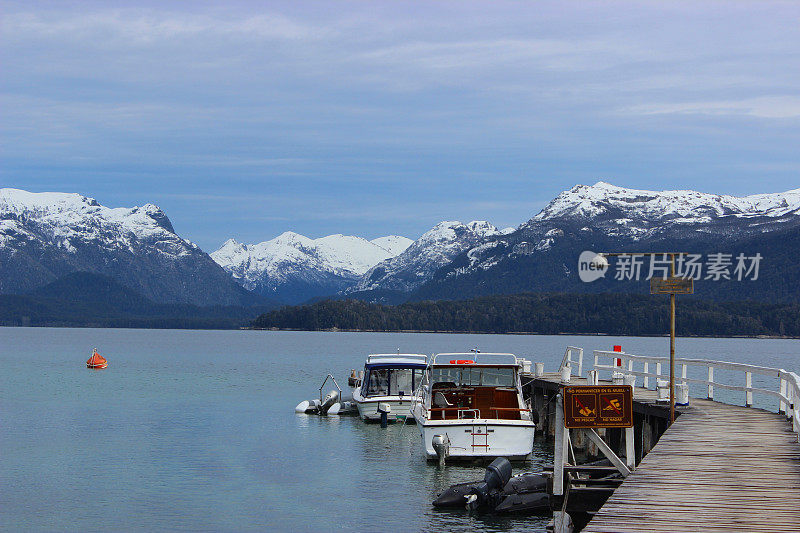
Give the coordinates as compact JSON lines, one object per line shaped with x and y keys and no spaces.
{"x":96,"y":360}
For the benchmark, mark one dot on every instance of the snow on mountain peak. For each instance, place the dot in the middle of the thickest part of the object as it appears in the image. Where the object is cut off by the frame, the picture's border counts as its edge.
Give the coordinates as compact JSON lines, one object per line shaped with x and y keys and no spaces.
{"x":19,"y":201}
{"x":294,"y":256}
{"x":433,"y":249}
{"x":394,"y":244}
{"x":59,"y":218}
{"x":44,"y":236}
{"x":483,"y":228}
{"x":604,"y":198}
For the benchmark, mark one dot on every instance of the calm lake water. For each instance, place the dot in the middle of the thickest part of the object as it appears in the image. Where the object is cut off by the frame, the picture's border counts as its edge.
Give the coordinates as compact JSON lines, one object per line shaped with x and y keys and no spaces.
{"x":195,"y":430}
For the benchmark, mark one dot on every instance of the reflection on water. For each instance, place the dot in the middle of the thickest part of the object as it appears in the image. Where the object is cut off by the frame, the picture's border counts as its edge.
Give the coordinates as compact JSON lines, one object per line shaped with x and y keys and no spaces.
{"x":196,"y":430}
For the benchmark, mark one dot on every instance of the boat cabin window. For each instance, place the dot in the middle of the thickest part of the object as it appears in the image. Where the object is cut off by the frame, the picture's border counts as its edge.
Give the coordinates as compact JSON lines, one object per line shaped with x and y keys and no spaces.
{"x":378,"y":382}
{"x":473,"y":377}
{"x":402,"y":380}
{"x":392,"y":381}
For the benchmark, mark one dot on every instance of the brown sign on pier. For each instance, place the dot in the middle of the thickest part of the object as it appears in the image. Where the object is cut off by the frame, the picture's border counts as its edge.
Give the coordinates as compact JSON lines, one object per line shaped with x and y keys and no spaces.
{"x":601,"y":406}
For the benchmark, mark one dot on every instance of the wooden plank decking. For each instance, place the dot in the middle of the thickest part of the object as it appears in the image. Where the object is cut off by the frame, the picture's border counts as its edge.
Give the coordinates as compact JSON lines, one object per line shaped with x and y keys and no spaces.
{"x":719,"y":467}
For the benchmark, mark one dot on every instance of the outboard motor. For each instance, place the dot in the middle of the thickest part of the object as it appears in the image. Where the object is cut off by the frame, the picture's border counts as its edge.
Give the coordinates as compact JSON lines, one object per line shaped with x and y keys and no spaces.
{"x":441,"y":444}
{"x":328,"y":401}
{"x":487,"y":492}
{"x":499,"y":492}
{"x":384,"y":409}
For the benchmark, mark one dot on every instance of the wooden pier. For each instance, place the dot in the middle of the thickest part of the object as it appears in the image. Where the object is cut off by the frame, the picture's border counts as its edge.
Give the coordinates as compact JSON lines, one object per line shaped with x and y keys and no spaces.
{"x":718,"y":467}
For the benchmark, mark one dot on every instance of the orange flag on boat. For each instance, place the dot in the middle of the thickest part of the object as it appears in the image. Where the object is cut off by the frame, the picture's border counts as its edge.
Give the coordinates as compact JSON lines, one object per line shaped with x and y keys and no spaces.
{"x":96,"y":360}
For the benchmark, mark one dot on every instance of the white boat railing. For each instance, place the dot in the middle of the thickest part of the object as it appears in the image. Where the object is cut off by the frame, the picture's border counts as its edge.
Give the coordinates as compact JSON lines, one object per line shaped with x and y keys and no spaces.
{"x":787,"y":393}
{"x":567,"y":360}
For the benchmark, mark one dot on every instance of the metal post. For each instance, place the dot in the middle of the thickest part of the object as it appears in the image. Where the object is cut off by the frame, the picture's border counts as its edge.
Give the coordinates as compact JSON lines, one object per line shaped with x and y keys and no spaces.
{"x":748,"y":395}
{"x":710,"y":382}
{"x":646,"y":377}
{"x":559,"y":455}
{"x":672,"y":348}
{"x":630,"y":450}
{"x":782,"y":405}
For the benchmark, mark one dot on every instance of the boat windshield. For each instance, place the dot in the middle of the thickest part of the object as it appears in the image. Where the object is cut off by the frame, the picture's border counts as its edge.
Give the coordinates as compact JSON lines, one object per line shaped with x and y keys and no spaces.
{"x":454,"y":376}
{"x":392,"y":381}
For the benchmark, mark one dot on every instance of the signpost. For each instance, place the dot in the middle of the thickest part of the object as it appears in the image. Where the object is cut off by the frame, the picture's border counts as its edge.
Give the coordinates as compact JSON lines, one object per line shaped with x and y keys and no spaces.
{"x":586,"y":408}
{"x":671,"y":285}
{"x":601,"y":406}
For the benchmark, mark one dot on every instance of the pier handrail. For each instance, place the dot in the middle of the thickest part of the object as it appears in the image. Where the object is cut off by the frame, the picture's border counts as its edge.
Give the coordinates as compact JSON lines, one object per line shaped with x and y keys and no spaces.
{"x":788,"y":393}
{"x":567,"y":360}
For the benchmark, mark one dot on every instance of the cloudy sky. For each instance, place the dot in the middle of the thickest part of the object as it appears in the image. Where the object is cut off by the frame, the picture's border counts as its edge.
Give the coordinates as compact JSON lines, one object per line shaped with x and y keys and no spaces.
{"x":372,"y":118}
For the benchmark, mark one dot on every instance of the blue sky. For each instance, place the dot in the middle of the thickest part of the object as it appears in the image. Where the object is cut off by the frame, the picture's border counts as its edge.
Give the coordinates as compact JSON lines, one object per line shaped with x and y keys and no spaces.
{"x":372,"y":118}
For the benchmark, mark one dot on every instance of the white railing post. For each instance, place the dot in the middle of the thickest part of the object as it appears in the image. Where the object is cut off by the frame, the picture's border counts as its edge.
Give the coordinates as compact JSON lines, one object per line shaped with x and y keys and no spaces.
{"x":580,"y":362}
{"x":630,"y":365}
{"x":630,"y":449}
{"x":710,"y":382}
{"x":646,"y":378}
{"x":683,"y":373}
{"x":658,"y":372}
{"x":793,"y":407}
{"x":748,"y":383}
{"x":782,"y":404}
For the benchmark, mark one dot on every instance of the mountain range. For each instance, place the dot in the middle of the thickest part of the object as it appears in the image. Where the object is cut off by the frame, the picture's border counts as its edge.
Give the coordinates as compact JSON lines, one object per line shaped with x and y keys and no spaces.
{"x":46,"y":236}
{"x":541,"y":255}
{"x":293,"y":268}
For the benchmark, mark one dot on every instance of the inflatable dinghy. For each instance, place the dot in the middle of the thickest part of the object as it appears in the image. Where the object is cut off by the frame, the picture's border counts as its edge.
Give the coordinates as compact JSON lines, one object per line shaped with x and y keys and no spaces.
{"x":499,"y":492}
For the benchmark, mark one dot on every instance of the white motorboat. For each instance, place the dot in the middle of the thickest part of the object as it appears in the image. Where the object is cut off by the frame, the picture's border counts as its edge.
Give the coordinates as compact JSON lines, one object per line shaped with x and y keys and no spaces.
{"x":388,"y":380}
{"x":470,"y":406}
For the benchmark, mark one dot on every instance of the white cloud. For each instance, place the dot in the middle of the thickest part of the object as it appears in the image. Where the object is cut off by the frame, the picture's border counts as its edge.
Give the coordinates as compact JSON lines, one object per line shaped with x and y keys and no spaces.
{"x":139,"y":26}
{"x":480,"y":53}
{"x":761,"y":107}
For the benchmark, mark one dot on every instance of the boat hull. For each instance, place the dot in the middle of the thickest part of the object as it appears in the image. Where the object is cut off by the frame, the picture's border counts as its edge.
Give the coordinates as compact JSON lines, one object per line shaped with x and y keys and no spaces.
{"x":368,"y":409}
{"x":98,"y":366}
{"x":480,"y":438}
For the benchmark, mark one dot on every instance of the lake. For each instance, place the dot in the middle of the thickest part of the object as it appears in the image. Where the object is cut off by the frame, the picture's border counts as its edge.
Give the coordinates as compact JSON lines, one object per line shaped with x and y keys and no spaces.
{"x":196,"y":430}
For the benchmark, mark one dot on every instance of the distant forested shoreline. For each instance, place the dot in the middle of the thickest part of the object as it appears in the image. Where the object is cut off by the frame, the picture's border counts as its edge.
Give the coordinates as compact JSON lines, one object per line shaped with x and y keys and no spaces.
{"x":547,"y":314}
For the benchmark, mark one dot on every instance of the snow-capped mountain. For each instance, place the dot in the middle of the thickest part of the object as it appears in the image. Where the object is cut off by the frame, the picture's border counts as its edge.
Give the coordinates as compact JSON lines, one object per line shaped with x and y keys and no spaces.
{"x":636,"y":212}
{"x":44,"y":236}
{"x":418,"y":262}
{"x":541,"y":255}
{"x":294,"y":268}
{"x":394,"y":244}
{"x":47,"y":236}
